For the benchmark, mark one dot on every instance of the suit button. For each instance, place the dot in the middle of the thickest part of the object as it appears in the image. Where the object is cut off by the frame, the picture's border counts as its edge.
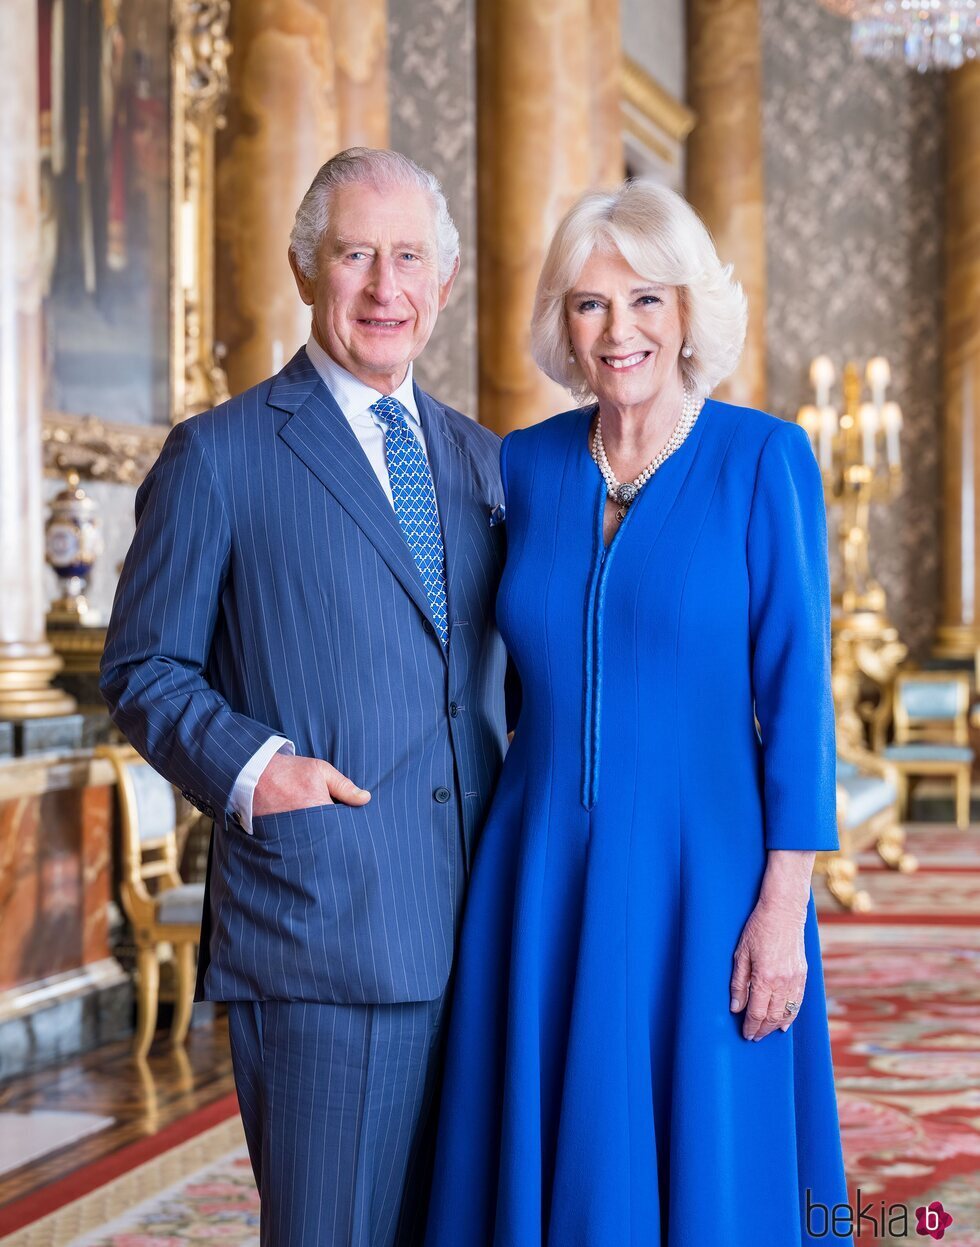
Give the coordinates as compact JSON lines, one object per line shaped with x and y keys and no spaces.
{"x":442,"y":795}
{"x":453,"y":709}
{"x":427,"y":627}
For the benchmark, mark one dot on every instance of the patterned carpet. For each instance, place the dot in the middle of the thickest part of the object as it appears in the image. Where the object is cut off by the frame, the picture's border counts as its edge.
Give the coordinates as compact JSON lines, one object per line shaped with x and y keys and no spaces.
{"x":198,"y":1190}
{"x":903,"y":985}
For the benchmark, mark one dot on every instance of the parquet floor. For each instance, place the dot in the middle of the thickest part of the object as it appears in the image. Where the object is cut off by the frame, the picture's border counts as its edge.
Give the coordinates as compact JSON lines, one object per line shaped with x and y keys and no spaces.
{"x":142,"y":1099}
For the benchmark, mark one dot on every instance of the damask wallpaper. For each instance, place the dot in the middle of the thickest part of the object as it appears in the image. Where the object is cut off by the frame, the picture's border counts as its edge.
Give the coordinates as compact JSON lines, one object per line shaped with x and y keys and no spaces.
{"x":854,"y":176}
{"x":433,"y":119}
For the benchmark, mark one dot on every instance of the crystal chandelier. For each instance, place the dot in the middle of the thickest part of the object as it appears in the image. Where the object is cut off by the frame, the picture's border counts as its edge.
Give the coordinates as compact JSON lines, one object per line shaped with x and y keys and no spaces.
{"x":927,"y":34}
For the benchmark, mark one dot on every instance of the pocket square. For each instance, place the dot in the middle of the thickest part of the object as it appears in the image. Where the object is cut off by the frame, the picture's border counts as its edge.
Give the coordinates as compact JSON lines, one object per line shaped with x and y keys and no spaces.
{"x":497,"y":515}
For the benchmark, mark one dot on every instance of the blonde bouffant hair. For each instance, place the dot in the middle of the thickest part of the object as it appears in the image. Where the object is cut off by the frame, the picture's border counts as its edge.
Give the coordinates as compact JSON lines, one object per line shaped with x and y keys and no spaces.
{"x":663,"y":239}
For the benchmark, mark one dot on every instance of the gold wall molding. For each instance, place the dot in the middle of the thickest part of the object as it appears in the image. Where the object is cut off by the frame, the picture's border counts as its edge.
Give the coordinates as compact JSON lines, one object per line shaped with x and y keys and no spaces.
{"x":647,"y":103}
{"x":123,"y":453}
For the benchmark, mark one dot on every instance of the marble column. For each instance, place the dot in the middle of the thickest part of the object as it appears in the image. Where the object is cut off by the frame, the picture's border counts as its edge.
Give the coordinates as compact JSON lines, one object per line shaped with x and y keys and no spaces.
{"x":724,"y":161}
{"x":608,"y":165}
{"x":535,"y":142}
{"x":359,"y":42}
{"x":27,"y":662}
{"x":959,"y":632}
{"x":307,"y":78}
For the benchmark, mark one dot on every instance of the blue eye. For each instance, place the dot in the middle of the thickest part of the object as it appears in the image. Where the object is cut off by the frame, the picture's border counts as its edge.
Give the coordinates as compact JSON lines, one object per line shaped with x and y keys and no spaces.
{"x":649,"y":298}
{"x":356,"y":254}
{"x":587,"y":305}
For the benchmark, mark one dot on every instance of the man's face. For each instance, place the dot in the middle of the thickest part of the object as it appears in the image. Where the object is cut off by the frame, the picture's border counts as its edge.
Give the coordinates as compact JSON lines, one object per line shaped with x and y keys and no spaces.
{"x":376,"y":294}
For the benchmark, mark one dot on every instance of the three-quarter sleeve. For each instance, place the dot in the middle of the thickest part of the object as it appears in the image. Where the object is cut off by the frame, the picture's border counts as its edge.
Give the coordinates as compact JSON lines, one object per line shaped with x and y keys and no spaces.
{"x":789,"y":596}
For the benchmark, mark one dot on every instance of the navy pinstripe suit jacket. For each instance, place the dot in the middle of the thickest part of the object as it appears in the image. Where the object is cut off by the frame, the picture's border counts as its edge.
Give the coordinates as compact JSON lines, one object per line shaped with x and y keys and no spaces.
{"x":269,"y":589}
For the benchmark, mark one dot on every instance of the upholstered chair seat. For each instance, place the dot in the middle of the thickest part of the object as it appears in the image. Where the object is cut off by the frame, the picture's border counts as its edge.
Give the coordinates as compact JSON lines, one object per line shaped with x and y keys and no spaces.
{"x":866,"y":796}
{"x":183,"y":904}
{"x":934,"y":752}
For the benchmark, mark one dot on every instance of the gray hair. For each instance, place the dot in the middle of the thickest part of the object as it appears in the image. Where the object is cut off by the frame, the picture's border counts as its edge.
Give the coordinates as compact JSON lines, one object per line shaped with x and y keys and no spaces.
{"x":384,"y":170}
{"x":662,"y":238}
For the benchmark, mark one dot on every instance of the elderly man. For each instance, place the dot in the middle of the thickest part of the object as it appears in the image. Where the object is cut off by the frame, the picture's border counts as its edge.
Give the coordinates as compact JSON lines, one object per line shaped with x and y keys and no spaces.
{"x":302,"y":641}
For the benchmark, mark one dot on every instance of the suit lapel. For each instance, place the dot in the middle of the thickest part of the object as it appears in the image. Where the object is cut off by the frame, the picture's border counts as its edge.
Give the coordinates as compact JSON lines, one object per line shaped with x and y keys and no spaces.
{"x":318,"y":433}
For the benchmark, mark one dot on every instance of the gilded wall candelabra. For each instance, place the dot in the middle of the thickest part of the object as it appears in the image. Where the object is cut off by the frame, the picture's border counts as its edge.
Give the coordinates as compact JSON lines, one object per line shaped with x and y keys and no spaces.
{"x":859,"y":452}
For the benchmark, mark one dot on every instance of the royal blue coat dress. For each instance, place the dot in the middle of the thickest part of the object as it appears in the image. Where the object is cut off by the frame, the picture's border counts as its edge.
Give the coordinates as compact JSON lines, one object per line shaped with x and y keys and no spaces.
{"x":598,"y":1091}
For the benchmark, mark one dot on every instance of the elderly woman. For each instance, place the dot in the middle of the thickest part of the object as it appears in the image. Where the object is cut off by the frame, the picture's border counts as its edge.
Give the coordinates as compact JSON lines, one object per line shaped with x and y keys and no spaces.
{"x":638,"y":1052}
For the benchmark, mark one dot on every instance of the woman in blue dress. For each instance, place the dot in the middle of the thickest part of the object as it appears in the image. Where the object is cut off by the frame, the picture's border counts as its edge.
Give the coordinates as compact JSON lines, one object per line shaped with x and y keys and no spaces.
{"x":638,"y":1052}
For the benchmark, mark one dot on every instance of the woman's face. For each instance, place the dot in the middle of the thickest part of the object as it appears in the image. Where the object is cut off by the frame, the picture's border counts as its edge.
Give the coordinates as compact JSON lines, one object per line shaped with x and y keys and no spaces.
{"x":626,"y":332}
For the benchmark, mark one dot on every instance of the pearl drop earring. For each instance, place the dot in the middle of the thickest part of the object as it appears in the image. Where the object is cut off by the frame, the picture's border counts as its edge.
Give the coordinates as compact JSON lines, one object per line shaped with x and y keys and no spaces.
{"x":687,"y":351}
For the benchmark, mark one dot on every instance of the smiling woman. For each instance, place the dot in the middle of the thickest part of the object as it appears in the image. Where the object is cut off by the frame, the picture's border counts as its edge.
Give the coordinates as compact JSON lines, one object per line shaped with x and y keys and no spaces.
{"x":643,"y":236}
{"x":632,"y":982}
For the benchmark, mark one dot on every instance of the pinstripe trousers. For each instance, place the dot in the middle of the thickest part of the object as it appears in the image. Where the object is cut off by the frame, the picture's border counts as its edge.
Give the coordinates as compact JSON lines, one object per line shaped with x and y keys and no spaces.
{"x":340,"y":1107}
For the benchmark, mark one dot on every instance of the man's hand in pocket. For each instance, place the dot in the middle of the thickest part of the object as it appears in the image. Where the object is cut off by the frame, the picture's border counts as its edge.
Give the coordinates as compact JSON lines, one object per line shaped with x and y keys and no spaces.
{"x":291,"y":783}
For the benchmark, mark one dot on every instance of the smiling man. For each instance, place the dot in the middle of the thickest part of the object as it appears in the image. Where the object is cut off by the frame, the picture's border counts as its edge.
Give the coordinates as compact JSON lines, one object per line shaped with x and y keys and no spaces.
{"x":302,"y":641}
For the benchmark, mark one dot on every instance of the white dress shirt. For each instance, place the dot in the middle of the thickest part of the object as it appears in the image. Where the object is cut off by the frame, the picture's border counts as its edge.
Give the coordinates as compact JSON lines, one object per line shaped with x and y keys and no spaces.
{"x":354,"y":399}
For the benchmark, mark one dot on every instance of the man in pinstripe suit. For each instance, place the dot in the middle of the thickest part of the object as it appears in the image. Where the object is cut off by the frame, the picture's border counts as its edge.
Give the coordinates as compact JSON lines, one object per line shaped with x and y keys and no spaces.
{"x":303,"y":641}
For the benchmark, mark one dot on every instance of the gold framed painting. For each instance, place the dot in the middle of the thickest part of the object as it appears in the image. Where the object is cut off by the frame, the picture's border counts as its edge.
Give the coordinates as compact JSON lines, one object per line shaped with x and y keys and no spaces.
{"x":131,"y":92}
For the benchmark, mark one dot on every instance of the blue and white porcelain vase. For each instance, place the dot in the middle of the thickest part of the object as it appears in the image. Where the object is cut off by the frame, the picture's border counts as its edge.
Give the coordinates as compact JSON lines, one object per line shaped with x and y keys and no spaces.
{"x":73,"y":542}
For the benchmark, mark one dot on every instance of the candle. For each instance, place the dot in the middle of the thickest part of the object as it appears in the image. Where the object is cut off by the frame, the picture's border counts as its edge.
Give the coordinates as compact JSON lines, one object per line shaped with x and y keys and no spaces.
{"x":828,"y":430}
{"x":822,"y":376}
{"x":879,"y":375}
{"x":868,"y":423}
{"x":809,"y":418}
{"x":891,"y":418}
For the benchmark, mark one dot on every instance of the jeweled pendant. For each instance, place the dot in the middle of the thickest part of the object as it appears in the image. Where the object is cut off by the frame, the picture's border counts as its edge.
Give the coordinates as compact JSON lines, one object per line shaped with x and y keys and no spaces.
{"x":626,"y":492}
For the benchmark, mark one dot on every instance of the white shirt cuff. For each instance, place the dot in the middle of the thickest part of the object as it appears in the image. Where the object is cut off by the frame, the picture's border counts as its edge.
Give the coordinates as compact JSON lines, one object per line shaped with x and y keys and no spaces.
{"x":243,"y":790}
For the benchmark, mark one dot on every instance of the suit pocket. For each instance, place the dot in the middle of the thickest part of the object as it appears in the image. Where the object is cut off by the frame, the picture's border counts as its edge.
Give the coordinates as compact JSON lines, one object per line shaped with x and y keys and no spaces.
{"x":299,"y":822}
{"x":309,"y":881}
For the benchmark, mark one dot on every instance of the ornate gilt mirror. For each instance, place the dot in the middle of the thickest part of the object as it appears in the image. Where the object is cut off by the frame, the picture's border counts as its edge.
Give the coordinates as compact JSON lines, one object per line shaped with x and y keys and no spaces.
{"x":131,"y":94}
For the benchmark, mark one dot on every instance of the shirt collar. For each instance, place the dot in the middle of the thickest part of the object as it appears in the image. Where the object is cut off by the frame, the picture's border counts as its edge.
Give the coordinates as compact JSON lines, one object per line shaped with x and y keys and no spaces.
{"x":352,"y":396}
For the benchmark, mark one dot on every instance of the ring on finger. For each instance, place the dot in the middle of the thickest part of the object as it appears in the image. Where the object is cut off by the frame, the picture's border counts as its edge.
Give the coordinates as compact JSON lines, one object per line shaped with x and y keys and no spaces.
{"x":791,"y":1007}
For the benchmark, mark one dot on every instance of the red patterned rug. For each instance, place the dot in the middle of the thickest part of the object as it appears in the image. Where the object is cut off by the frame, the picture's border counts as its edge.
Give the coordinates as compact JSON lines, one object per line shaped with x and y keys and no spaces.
{"x":903,"y":985}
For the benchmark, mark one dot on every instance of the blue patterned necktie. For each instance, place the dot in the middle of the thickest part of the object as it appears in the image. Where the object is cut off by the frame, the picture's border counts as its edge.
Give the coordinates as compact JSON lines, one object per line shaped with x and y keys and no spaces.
{"x":415,"y":506}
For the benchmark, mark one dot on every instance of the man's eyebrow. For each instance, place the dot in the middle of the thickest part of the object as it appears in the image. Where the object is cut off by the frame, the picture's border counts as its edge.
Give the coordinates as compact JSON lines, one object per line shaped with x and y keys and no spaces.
{"x":355,"y":244}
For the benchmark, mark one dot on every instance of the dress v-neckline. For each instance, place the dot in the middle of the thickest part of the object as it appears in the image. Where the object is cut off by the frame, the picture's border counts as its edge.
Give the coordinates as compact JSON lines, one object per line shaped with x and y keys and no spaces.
{"x":602,"y":549}
{"x":670,"y":478}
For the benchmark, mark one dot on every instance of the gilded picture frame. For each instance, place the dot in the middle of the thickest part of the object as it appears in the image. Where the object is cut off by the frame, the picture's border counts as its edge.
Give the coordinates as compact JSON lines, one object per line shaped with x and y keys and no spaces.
{"x":102,"y":449}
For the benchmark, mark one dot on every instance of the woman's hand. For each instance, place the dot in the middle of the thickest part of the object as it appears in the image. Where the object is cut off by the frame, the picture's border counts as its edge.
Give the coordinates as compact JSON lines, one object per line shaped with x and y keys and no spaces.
{"x":770,"y":964}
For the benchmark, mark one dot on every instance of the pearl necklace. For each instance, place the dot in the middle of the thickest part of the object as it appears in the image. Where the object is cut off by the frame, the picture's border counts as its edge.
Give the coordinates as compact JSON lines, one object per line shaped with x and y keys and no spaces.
{"x":626,"y":492}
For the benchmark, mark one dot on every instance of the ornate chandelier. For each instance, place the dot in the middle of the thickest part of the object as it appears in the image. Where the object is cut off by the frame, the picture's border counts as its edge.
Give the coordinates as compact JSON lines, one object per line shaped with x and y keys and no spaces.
{"x":926,"y":34}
